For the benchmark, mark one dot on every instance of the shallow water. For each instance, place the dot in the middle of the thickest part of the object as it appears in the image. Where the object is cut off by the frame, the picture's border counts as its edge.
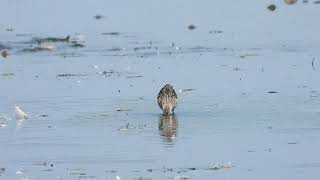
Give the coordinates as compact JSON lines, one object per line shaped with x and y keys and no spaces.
{"x":247,"y":82}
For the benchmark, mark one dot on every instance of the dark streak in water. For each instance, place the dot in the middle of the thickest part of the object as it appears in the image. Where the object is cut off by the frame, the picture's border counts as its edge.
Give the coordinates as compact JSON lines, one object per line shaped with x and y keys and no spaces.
{"x":51,"y":39}
{"x":133,"y":77}
{"x":272,"y":7}
{"x":70,"y":75}
{"x":312,"y":63}
{"x":192,"y":27}
{"x":308,"y":165}
{"x":272,"y":92}
{"x":114,"y":49}
{"x":292,"y":143}
{"x":24,"y":34}
{"x":186,"y":90}
{"x":119,"y":110}
{"x":142,"y":48}
{"x":2,"y":171}
{"x":77,"y":45}
{"x":111,"y":33}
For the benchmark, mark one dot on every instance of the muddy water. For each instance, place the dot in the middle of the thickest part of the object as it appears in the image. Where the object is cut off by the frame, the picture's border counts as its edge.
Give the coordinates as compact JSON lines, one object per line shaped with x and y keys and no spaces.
{"x":247,"y":81}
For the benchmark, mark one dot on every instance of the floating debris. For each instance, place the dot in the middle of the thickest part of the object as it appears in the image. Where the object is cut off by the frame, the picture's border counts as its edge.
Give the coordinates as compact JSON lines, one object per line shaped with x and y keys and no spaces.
{"x":20,"y":114}
{"x":192,"y":27}
{"x":290,"y":2}
{"x":272,"y":7}
{"x":4,"y":54}
{"x":98,"y":16}
{"x":7,"y":74}
{"x":272,"y":92}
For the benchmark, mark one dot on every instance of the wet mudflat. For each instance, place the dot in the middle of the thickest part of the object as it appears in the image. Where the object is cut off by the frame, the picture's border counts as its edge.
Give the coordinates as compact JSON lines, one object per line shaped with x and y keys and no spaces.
{"x":247,"y":80}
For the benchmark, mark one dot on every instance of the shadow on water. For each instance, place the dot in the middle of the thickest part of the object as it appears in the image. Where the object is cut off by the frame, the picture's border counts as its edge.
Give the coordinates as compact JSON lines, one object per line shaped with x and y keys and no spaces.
{"x":168,"y":126}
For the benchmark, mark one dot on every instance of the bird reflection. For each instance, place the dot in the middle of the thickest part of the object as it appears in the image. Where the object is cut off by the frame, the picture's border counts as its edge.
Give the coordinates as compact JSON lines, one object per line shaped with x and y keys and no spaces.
{"x":168,"y":126}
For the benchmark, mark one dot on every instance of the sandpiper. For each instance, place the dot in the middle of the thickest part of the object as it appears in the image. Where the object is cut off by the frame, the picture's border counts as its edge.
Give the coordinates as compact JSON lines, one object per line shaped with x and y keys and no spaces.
{"x":167,"y":99}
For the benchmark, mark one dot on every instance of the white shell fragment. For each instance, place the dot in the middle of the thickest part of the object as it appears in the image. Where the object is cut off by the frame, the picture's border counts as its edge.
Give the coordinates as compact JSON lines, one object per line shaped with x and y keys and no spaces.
{"x":3,"y":125}
{"x":19,"y":172}
{"x":180,"y":178}
{"x":20,"y":114}
{"x":47,"y":46}
{"x":220,"y":166}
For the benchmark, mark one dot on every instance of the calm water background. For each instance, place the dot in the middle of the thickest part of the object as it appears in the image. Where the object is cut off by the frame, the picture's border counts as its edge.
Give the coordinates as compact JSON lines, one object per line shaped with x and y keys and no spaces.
{"x":86,"y":127}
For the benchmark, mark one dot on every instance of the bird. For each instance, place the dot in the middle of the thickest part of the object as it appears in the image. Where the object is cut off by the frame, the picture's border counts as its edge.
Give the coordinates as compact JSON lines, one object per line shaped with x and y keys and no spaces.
{"x":167,"y":99}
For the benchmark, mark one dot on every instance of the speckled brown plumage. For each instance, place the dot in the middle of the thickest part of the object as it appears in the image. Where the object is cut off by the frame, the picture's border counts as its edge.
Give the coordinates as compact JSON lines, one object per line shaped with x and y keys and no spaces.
{"x":167,"y":99}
